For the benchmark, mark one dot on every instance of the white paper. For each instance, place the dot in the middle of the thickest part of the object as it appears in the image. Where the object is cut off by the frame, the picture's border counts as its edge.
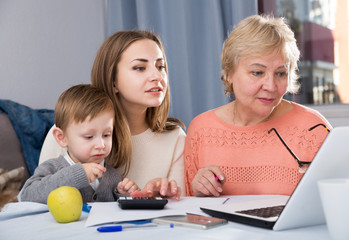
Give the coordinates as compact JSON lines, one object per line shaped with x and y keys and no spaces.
{"x":110,"y":212}
{"x":20,"y":209}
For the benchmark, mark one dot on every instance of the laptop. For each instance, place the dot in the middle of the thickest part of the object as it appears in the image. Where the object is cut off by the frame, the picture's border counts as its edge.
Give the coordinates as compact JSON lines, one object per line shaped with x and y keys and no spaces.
{"x":303,"y":208}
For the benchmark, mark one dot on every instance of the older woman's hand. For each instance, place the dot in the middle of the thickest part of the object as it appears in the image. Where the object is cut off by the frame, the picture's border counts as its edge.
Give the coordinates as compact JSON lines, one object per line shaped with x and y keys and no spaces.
{"x":208,"y":181}
{"x":159,"y":186}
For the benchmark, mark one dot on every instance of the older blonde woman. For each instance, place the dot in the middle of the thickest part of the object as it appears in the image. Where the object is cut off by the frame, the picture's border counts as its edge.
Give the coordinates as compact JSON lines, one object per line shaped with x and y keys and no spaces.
{"x":259,"y":143}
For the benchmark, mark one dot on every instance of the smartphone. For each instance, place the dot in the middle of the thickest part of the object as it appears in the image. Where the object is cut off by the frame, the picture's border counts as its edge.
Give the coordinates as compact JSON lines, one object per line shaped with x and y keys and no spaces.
{"x":191,"y":220}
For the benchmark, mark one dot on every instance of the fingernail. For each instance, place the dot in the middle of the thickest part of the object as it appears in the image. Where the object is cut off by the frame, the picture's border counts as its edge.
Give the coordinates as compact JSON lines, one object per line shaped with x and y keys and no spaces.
{"x":219,"y":189}
{"x":163,"y":192}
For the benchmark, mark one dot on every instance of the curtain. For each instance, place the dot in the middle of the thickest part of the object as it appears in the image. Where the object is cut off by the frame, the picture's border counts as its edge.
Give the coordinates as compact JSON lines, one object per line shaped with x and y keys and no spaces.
{"x":193,"y":32}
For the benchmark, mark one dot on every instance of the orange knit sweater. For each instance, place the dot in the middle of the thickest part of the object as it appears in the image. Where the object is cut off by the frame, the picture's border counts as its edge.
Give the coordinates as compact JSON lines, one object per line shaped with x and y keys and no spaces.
{"x":254,"y":161}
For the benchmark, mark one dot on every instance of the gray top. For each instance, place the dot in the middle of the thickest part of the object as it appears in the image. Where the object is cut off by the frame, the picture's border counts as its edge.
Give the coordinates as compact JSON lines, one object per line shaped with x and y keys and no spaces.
{"x":57,"y":172}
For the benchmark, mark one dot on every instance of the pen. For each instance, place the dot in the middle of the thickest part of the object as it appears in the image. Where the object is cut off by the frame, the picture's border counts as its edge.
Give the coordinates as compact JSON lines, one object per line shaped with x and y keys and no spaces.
{"x":119,"y":228}
{"x":217,"y":179}
{"x":226,"y":200}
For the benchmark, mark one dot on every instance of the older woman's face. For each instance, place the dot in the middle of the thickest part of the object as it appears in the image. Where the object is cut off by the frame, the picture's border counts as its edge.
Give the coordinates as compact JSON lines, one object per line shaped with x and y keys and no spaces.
{"x":259,"y":83}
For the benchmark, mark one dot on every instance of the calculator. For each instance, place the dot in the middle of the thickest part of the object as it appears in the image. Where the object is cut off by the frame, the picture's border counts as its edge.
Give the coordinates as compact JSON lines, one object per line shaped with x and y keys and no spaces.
{"x":127,"y":202}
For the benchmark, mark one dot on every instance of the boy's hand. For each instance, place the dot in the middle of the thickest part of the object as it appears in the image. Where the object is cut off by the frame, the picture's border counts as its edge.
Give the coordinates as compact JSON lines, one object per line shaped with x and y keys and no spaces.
{"x":127,"y":186}
{"x":93,"y":171}
{"x":159,"y":186}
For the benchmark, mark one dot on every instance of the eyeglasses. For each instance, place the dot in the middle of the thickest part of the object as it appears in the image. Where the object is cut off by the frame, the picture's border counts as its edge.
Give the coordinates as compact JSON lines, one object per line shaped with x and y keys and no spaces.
{"x":303,"y":166}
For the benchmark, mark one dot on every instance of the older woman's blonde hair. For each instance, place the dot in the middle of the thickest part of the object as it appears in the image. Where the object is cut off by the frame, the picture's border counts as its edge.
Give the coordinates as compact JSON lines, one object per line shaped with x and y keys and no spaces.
{"x":258,"y":35}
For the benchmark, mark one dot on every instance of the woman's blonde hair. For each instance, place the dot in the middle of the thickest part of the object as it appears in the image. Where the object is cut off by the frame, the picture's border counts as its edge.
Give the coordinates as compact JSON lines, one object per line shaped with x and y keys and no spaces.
{"x":104,"y":76}
{"x":258,"y":35}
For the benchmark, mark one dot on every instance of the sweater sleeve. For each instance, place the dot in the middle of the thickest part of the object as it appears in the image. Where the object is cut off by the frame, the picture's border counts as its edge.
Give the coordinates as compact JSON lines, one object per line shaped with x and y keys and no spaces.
{"x":104,"y":191}
{"x":50,"y":175}
{"x":190,"y":162}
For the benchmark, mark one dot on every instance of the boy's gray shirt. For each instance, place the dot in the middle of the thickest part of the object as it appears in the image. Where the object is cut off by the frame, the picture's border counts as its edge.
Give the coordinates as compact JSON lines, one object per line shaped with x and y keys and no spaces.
{"x":57,"y":172}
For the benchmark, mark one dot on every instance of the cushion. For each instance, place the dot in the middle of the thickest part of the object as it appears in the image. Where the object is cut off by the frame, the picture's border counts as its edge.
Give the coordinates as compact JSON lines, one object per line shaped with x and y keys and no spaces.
{"x":11,"y":155}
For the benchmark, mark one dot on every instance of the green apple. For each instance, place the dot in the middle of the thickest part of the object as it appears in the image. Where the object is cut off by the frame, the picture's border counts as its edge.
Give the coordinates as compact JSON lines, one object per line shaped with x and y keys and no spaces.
{"x":65,"y":204}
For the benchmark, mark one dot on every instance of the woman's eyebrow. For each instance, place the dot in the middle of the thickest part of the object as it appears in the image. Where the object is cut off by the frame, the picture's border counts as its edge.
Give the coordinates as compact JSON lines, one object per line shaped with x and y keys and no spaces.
{"x":282,"y":66}
{"x":146,"y":60}
{"x":258,"y":64}
{"x":261,"y":65}
{"x":140,"y":59}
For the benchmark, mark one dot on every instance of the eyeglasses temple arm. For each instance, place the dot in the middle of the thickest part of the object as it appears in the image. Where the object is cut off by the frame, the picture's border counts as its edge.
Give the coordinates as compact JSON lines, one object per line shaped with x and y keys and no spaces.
{"x":320,"y":124}
{"x":283,"y":142}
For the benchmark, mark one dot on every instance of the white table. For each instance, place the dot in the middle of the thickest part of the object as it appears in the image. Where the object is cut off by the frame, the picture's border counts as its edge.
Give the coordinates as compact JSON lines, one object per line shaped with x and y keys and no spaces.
{"x":43,"y":226}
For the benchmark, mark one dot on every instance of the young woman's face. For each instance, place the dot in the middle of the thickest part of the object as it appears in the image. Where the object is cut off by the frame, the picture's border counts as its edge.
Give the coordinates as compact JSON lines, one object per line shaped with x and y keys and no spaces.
{"x":90,"y":140}
{"x":259,"y":83}
{"x":142,"y":78}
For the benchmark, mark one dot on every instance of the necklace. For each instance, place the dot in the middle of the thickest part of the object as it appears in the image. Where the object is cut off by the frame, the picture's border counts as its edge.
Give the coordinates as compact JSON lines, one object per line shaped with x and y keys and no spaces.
{"x":234,"y":113}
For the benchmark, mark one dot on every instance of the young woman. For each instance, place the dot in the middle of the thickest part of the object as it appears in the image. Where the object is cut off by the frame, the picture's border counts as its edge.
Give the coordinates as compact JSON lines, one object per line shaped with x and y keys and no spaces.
{"x":148,"y":146}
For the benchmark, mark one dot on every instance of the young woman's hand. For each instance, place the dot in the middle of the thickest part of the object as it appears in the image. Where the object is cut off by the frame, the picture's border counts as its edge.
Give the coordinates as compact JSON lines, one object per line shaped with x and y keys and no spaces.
{"x":93,"y":171}
{"x":159,"y":186}
{"x":127,"y":186}
{"x":208,"y":181}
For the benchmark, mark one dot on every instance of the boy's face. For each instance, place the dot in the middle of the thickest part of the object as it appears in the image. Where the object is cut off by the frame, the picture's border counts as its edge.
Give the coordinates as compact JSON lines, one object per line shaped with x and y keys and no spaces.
{"x":90,"y":141}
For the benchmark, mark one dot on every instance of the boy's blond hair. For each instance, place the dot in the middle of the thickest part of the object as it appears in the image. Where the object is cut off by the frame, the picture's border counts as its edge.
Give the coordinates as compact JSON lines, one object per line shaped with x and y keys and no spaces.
{"x":78,"y":103}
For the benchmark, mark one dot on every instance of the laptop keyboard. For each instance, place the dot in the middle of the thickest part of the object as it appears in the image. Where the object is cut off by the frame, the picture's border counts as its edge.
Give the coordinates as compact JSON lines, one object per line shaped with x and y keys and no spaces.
{"x":266,"y":212}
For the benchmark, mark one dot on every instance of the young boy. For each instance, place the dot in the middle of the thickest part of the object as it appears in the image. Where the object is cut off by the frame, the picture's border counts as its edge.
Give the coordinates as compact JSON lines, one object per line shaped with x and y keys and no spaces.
{"x":84,"y":118}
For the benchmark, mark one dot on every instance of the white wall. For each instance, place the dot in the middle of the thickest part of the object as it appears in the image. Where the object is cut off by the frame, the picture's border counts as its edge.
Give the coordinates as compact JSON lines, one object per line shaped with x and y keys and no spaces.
{"x":46,"y":46}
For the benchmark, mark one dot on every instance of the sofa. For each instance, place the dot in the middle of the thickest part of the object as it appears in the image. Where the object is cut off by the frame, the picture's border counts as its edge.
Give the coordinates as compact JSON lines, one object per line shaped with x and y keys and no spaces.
{"x":13,"y":169}
{"x":22,"y":133}
{"x":11,"y":155}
